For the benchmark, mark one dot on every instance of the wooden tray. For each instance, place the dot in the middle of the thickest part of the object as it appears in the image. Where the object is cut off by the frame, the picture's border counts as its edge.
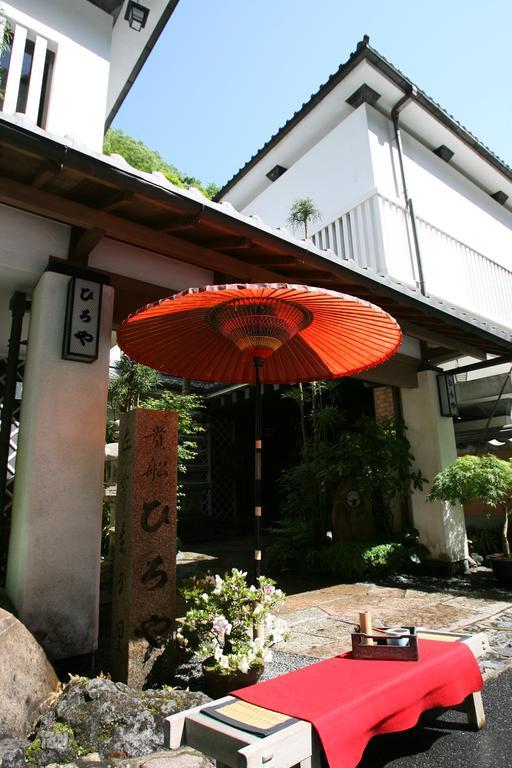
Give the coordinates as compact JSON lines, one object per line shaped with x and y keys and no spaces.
{"x":381,"y":650}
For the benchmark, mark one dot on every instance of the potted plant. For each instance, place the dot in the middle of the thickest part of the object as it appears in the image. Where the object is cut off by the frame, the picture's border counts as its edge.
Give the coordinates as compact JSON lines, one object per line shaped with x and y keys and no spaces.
{"x":486,"y":479}
{"x":230,"y":626}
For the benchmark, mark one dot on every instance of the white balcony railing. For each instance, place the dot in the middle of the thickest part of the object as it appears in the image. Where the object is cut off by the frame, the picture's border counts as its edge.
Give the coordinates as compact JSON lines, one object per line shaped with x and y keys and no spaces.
{"x":376,"y":233}
{"x":25,"y":72}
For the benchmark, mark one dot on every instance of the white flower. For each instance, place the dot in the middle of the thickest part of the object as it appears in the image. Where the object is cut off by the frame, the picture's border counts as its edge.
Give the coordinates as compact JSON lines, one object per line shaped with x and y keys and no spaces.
{"x":221,"y":626}
{"x":224,"y":661}
{"x":205,"y":597}
{"x":267,"y":656}
{"x":258,"y":645}
{"x":243,"y":665}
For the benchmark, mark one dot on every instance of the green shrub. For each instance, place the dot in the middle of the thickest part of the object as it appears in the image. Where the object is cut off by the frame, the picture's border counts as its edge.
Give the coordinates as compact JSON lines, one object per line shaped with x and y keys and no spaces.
{"x":352,"y":561}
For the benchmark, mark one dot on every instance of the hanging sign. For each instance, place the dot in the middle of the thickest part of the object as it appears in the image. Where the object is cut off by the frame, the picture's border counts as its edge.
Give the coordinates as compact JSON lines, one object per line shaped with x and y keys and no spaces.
{"x":447,"y":395}
{"x":82,"y":324}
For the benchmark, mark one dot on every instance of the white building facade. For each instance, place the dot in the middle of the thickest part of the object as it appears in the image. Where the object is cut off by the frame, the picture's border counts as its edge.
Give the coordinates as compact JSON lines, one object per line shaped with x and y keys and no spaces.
{"x":66,"y":211}
{"x":407,"y":193}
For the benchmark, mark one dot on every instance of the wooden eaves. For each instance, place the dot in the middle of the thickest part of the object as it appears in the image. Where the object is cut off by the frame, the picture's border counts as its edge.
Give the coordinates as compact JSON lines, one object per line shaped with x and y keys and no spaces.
{"x":100,"y":198}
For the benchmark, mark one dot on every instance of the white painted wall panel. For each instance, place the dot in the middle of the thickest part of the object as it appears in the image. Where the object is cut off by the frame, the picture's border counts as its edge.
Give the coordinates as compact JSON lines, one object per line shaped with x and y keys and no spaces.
{"x":336,"y":173}
{"x":147,"y":266}
{"x":80,"y":35}
{"x":441,"y":194}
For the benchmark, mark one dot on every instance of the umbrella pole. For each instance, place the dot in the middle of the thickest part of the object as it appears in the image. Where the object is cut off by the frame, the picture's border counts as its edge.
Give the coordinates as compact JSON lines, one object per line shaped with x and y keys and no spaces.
{"x":258,"y":445}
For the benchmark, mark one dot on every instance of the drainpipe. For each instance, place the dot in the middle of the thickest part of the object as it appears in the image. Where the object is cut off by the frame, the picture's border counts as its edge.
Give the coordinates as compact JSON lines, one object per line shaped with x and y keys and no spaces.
{"x":408,"y":202}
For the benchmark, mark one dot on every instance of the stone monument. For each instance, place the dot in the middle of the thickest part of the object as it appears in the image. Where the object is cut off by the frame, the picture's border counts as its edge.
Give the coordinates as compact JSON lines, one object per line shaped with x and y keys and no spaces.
{"x":144,"y":585}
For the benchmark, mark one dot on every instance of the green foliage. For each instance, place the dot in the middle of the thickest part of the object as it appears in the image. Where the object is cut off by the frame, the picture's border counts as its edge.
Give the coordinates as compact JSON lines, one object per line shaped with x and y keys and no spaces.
{"x":351,"y":561}
{"x":473,"y":478}
{"x":133,"y":383}
{"x":375,"y":454}
{"x":292,"y":542}
{"x":188,"y":408}
{"x":33,"y":751}
{"x":302,"y":213}
{"x":477,"y":478}
{"x":140,"y":156}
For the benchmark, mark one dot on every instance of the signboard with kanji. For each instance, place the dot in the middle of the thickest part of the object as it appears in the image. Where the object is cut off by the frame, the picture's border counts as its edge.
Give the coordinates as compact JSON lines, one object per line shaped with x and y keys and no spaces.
{"x":83,"y":314}
{"x":144,"y":587}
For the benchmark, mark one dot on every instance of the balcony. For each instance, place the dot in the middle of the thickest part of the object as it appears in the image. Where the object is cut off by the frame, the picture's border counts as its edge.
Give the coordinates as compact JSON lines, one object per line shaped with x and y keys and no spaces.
{"x":376,"y":234}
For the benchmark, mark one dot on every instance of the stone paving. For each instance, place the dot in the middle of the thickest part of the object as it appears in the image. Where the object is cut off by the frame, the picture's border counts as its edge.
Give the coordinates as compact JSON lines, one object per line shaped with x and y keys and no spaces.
{"x":321,"y":620}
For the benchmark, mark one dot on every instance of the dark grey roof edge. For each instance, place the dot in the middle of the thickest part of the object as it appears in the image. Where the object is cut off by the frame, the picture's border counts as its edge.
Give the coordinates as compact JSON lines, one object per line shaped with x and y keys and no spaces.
{"x":164,"y":18}
{"x":83,"y":160}
{"x":365,"y":51}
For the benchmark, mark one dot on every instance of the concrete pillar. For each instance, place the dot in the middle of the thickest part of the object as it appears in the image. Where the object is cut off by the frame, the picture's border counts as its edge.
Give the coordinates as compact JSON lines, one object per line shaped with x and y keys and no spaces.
{"x":54,"y":550}
{"x":432,"y":437}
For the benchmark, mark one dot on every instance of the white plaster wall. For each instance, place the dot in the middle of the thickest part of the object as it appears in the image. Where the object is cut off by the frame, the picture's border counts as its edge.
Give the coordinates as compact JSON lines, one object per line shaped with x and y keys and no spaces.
{"x":25,"y":245}
{"x":336,"y":173}
{"x":441,"y":194}
{"x":432,"y":438}
{"x":54,"y":551}
{"x":127,"y":45}
{"x":80,"y":35}
{"x":149,"y":267}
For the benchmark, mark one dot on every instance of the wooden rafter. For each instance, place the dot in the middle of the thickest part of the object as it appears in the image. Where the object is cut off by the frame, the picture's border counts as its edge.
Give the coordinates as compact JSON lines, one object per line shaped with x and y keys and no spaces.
{"x":69,"y":212}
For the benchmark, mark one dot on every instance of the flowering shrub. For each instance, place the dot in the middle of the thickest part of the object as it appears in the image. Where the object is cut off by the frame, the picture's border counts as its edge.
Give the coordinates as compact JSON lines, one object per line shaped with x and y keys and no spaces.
{"x":229,"y":624}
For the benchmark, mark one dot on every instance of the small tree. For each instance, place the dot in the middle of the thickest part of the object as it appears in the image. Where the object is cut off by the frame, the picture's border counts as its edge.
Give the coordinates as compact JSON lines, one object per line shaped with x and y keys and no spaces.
{"x":133,"y":383}
{"x":477,"y":478}
{"x":302,"y":213}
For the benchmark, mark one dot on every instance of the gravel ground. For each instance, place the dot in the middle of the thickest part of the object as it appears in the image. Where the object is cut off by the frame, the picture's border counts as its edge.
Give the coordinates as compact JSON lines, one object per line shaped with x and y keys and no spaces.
{"x":188,"y":674}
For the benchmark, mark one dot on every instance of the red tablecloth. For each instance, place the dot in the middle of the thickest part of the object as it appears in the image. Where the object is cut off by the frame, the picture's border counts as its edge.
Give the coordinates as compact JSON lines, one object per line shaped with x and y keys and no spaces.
{"x":349,"y":701}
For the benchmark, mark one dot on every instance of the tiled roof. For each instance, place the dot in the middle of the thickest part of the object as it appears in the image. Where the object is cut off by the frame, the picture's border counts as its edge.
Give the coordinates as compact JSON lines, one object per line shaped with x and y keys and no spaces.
{"x":365,"y":51}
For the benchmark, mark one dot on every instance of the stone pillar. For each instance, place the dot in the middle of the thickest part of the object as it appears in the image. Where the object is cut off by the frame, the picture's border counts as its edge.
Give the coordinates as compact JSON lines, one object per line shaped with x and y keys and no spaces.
{"x":432,"y":437}
{"x":54,"y":552}
{"x":144,"y":587}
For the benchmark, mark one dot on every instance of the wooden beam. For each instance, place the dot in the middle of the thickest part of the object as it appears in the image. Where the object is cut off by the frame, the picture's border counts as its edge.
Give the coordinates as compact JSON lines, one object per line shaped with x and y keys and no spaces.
{"x":69,"y":212}
{"x":308,"y":274}
{"x":398,"y":371}
{"x":115,"y":199}
{"x":180,"y":223}
{"x":273,"y":261}
{"x":82,"y":242}
{"x":229,"y":243}
{"x":45,"y":173}
{"x":439,"y":355}
{"x":132,"y":294}
{"x":444,"y":341}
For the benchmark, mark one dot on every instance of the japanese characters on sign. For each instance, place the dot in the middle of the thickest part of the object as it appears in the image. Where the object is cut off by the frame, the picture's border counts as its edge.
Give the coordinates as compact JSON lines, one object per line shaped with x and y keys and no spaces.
{"x":83,"y":314}
{"x":144,"y":602}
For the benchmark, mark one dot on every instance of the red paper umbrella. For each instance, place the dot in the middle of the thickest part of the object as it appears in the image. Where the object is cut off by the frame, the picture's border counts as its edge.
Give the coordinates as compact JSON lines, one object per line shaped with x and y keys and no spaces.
{"x":271,"y":333}
{"x":303,"y":333}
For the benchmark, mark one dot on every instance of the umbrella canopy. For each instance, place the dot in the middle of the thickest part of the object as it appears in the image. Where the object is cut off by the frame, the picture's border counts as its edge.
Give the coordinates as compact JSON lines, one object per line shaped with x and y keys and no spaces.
{"x":302,"y":333}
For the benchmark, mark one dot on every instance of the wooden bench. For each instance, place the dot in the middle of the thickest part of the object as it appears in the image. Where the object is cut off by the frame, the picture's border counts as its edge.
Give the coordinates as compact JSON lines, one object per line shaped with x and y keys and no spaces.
{"x":294,"y":744}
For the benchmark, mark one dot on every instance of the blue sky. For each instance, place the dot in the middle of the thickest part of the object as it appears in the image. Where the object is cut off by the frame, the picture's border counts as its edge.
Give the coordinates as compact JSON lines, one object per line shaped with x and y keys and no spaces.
{"x":226,"y":74}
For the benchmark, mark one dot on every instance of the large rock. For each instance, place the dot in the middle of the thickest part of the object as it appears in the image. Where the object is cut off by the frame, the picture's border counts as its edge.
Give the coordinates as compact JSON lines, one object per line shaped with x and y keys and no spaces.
{"x":27,"y":677}
{"x":102,"y":717}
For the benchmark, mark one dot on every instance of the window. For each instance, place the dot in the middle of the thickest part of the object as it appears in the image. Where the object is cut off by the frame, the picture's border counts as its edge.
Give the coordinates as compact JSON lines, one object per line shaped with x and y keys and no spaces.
{"x":26,"y":66}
